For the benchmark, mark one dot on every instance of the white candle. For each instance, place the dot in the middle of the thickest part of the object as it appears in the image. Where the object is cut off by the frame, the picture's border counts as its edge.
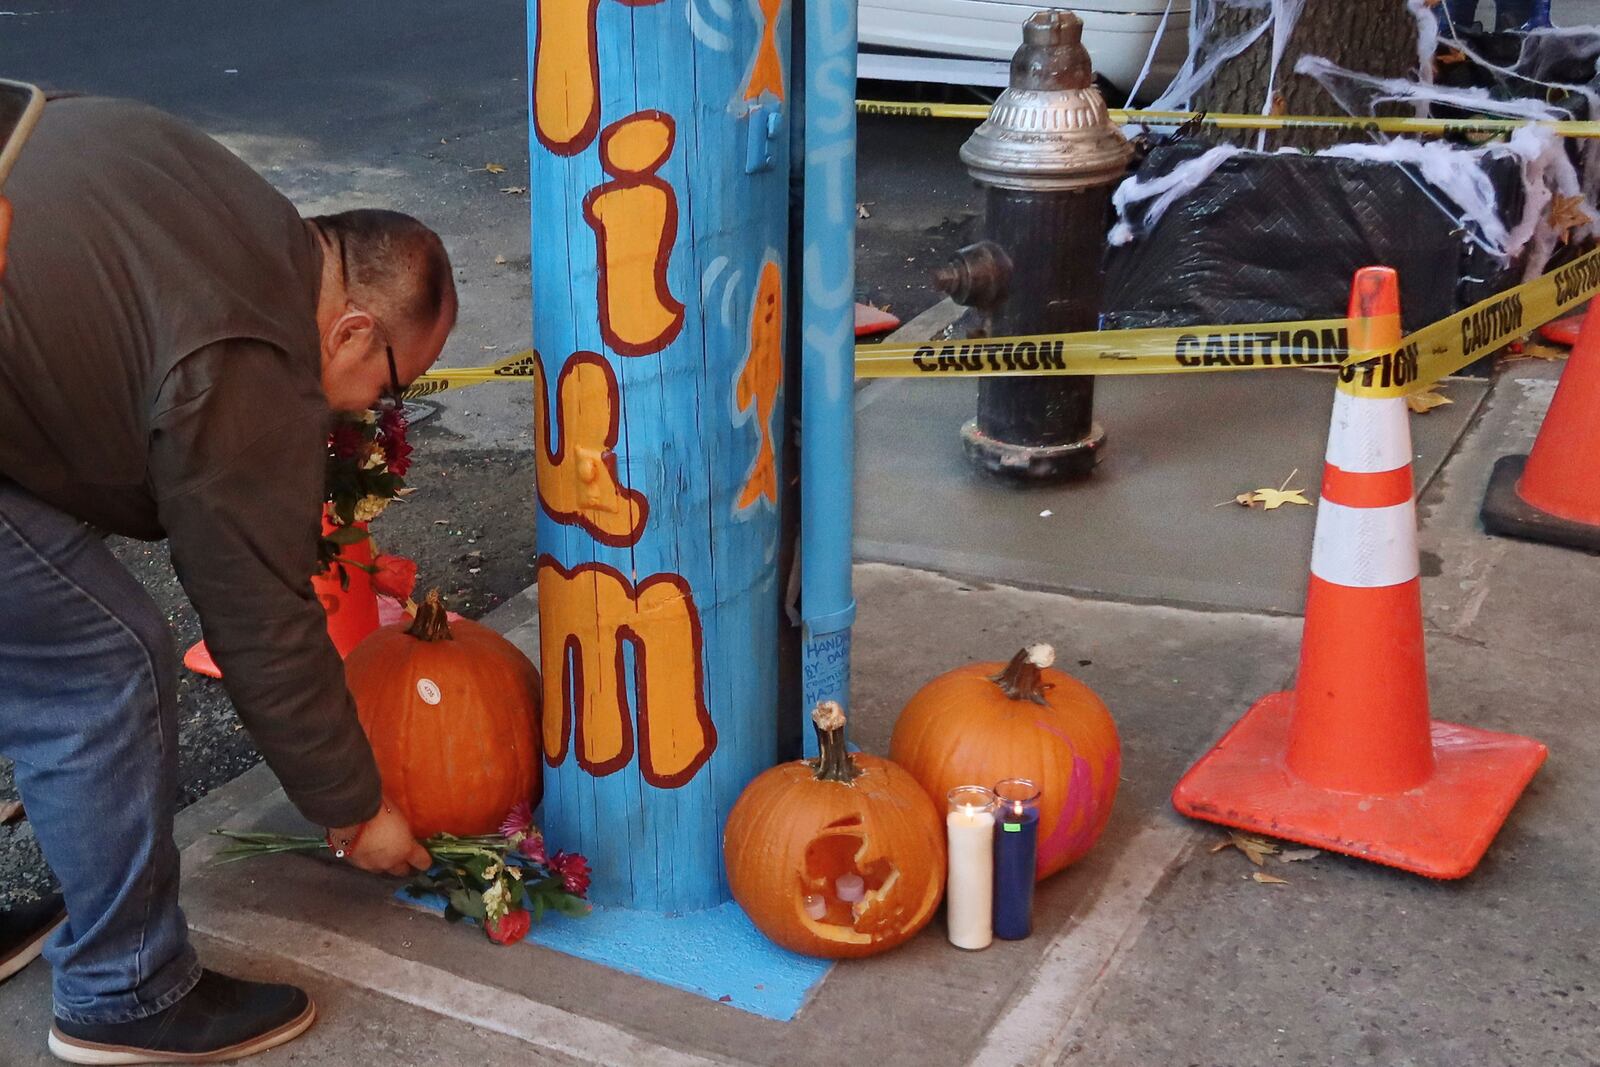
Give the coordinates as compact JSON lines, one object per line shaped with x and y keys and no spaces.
{"x":816,"y":907}
{"x":850,"y":887}
{"x":969,"y":901}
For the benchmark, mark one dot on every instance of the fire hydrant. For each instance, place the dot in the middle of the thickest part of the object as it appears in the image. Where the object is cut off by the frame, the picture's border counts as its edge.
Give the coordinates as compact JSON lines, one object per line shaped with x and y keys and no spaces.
{"x":1049,"y":157}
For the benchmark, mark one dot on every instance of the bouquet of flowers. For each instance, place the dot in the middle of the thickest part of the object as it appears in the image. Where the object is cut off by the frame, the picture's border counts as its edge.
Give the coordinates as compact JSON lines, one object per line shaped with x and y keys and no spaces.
{"x":368,"y":457}
{"x":506,"y":881}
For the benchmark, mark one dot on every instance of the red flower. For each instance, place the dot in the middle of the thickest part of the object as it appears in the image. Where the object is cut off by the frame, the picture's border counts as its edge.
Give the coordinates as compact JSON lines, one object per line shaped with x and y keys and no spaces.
{"x":396,"y":576}
{"x":392,"y":434}
{"x":346,"y":441}
{"x":519,"y":820}
{"x":398,"y":451}
{"x":532,"y":847}
{"x":574,"y":872}
{"x":392,"y":423}
{"x":511,"y":928}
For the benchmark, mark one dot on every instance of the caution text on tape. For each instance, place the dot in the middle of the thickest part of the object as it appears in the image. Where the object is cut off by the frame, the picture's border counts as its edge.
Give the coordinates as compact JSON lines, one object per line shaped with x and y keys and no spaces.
{"x":1421,"y":358}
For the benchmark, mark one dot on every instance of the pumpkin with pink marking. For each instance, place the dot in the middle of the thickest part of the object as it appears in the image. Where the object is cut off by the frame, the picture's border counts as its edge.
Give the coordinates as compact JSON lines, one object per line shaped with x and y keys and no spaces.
{"x":985,"y":722}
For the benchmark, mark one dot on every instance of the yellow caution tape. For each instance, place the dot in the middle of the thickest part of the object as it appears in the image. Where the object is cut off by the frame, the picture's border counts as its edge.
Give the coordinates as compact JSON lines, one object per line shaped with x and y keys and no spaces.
{"x":1158,"y":350}
{"x":1431,"y":353}
{"x":1422,"y":358}
{"x":516,"y":365}
{"x":1390,"y":124}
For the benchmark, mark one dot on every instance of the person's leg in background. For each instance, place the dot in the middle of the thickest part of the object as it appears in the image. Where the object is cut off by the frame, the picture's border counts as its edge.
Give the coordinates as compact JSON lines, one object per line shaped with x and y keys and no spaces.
{"x":88,"y":713}
{"x":1456,"y":15}
{"x":1521,"y":14}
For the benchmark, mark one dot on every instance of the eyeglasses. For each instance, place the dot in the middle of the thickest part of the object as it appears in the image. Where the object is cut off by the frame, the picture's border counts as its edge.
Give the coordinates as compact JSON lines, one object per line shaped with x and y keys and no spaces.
{"x":394,"y":396}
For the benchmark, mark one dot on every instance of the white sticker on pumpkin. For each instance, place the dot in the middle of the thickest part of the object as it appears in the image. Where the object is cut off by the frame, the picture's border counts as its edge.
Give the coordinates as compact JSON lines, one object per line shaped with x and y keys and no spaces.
{"x":428,"y":690}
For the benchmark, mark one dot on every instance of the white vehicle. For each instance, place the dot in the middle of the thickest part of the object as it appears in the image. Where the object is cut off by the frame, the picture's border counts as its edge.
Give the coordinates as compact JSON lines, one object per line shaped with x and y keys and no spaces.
{"x":970,"y":42}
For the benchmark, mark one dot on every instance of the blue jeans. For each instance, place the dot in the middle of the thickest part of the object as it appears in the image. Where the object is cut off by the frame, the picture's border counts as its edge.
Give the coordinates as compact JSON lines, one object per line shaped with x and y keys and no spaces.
{"x":88,"y":712}
{"x":1509,"y":14}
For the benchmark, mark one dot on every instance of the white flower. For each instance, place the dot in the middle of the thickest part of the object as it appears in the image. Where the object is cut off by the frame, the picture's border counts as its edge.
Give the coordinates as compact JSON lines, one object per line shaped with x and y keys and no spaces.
{"x":376,"y":459}
{"x":496,"y":901}
{"x":370,"y":507}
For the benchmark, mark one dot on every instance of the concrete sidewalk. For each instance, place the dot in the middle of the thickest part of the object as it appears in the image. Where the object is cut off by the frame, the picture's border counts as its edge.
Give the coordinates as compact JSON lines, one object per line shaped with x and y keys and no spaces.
{"x":1153,"y":951}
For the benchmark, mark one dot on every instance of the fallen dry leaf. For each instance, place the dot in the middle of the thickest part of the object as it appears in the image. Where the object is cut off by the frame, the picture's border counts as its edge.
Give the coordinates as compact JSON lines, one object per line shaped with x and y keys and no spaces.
{"x":1295,"y":855}
{"x":515,"y":190}
{"x":499,"y":259}
{"x":1566,"y":214}
{"x":10,"y":812}
{"x":1252,"y":846}
{"x":1540,"y":350}
{"x":1267,"y":879}
{"x":494,"y":168}
{"x":1272,"y":499}
{"x":862,"y":212}
{"x":1427,"y":400}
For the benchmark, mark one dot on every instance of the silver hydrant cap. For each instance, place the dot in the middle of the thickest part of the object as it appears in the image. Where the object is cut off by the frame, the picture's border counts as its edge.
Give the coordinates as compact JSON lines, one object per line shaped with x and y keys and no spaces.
{"x":1050,"y":129}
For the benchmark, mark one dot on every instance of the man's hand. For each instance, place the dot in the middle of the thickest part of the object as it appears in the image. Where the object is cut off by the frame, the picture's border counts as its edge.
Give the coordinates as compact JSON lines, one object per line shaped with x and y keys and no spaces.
{"x":383,"y":844}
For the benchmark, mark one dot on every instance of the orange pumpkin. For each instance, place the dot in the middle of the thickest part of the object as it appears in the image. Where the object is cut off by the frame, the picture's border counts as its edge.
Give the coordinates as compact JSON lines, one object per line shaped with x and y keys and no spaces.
{"x":452,"y":711}
{"x":985,"y":722}
{"x":801,"y":827}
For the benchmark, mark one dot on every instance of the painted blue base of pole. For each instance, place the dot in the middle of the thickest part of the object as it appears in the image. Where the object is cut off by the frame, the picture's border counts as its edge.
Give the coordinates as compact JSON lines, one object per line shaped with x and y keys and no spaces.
{"x":717,"y":954}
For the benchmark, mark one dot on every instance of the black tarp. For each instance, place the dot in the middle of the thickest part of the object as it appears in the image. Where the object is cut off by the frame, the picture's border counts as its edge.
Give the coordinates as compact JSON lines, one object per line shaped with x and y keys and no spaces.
{"x":1275,"y":237}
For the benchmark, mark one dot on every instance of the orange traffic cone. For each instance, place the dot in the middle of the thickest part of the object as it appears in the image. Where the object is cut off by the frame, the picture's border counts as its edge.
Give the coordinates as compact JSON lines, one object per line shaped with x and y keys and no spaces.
{"x":1349,"y":760}
{"x":1553,"y":494}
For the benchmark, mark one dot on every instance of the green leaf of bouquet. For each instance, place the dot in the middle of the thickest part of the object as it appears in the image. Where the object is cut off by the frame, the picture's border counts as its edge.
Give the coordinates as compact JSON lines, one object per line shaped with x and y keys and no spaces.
{"x":567,"y":904}
{"x":468,"y":903}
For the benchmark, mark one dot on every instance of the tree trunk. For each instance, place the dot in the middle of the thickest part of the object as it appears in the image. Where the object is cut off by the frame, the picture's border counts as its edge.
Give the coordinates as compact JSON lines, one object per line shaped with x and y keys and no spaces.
{"x":1372,"y":36}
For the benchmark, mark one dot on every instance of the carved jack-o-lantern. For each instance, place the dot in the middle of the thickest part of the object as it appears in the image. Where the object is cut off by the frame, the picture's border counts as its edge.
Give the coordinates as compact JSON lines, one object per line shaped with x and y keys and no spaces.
{"x":841,"y":856}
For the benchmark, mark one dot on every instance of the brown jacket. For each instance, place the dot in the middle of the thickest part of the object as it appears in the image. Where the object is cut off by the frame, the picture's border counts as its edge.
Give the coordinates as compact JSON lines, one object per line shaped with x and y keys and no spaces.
{"x":160,"y":377}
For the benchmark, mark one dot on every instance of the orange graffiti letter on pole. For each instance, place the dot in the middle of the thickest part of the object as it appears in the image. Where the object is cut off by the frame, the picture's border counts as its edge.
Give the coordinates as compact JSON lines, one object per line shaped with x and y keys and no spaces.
{"x":566,"y":76}
{"x":577,"y":473}
{"x":766,"y":74}
{"x":587,"y":617}
{"x":635,"y":222}
{"x":759,"y":382}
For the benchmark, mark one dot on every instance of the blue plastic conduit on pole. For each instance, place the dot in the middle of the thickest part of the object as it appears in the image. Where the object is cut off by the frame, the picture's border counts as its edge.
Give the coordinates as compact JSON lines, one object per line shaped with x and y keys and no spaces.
{"x":827,"y":324}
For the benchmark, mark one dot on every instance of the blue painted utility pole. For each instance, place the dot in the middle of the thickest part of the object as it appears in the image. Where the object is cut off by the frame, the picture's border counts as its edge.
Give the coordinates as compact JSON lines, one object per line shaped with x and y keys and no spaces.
{"x":660,"y":204}
{"x":827,"y":332}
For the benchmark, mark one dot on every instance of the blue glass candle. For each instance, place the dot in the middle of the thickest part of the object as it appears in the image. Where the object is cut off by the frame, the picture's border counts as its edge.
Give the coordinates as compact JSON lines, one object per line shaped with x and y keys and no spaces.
{"x":1016,"y":853}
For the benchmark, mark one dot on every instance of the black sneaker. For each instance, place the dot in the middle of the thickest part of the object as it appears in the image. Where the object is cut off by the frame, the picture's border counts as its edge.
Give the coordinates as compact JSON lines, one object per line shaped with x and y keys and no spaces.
{"x":24,"y":928}
{"x":221,"y":1018}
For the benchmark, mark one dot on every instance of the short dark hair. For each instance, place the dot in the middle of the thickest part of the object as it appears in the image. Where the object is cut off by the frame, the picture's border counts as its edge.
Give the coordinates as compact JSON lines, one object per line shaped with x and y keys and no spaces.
{"x":394,"y":266}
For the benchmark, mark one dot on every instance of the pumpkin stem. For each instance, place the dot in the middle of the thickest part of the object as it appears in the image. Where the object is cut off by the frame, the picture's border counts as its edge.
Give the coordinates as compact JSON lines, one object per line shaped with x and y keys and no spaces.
{"x":1023,"y":678}
{"x":432,"y":622}
{"x":833,"y":762}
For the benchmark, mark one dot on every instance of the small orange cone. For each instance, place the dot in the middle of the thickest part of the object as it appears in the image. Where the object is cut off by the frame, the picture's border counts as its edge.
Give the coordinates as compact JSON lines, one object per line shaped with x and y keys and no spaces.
{"x":1349,"y":760}
{"x":1563,"y":331}
{"x":871,"y":321}
{"x":1553,"y":494}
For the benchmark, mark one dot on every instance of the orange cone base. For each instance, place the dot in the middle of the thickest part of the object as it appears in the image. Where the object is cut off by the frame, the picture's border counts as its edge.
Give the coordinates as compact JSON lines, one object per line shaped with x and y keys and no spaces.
{"x":1505,"y":512}
{"x":1440,"y":829}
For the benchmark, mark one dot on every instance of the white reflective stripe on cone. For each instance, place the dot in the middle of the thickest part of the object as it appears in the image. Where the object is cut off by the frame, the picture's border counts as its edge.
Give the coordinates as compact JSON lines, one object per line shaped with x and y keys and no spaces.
{"x":1368,"y":436}
{"x":1365,"y":548}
